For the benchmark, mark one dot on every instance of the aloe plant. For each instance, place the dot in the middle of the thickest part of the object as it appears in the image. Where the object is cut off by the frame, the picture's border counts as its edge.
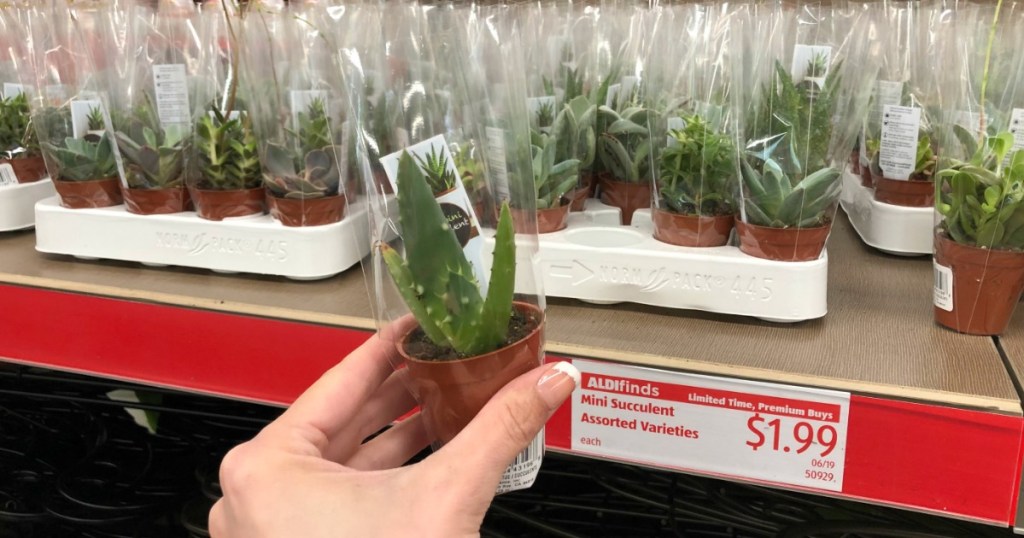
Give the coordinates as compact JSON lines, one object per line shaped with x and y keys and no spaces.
{"x":552,"y":178}
{"x":435,"y":278}
{"x":439,"y":175}
{"x":697,"y":172}
{"x":311,"y":170}
{"x":154,"y":157}
{"x":775,"y":200}
{"x":17,"y":135}
{"x":624,"y":147}
{"x":226,"y":152}
{"x":982,"y":200}
{"x":95,"y":119}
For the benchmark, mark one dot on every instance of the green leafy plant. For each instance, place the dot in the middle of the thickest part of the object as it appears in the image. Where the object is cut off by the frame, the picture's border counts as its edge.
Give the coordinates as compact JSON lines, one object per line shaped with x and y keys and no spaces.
{"x":439,"y":175}
{"x":982,"y":200}
{"x":817,"y":65}
{"x":310,"y":171}
{"x":154,"y":157}
{"x":469,"y":167}
{"x":436,"y":280}
{"x":83,"y":159}
{"x":95,"y":119}
{"x":17,"y":135}
{"x":924,"y":163}
{"x":697,"y":171}
{"x":775,"y":200}
{"x":545,"y":114}
{"x":226,"y":152}
{"x":552,"y":178}
{"x":624,"y":146}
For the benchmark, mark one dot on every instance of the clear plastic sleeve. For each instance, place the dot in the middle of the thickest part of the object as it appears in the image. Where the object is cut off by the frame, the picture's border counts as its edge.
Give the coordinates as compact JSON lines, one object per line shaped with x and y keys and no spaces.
{"x":20,"y":158}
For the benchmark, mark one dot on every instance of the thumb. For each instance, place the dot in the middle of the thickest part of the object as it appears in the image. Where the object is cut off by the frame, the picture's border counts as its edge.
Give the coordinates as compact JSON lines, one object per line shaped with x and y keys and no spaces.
{"x":505,"y":426}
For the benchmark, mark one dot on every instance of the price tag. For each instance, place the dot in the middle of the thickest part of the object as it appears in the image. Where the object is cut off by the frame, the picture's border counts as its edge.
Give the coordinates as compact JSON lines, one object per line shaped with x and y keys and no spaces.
{"x":942,"y":294}
{"x":7,"y":175}
{"x":1017,"y":128}
{"x":761,"y":431}
{"x":897,"y":155}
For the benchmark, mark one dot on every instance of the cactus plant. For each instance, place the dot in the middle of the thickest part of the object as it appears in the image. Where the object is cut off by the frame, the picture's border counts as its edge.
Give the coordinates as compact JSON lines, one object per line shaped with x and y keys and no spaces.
{"x":17,"y":136}
{"x":310,"y":172}
{"x":697,"y":171}
{"x":154,"y":157}
{"x":226,"y":152}
{"x":435,"y":278}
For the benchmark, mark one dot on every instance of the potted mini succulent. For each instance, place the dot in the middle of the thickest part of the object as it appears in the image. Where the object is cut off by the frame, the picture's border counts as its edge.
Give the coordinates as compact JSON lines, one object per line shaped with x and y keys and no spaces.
{"x":19,"y":146}
{"x":579,"y":116}
{"x":461,"y":345}
{"x":695,"y":187}
{"x":228,"y":181}
{"x":979,"y":244}
{"x":554,"y":180}
{"x":303,"y":178}
{"x":918,"y":190}
{"x":789,"y":185}
{"x":154,"y":162}
{"x":84,"y":170}
{"x":624,"y":148}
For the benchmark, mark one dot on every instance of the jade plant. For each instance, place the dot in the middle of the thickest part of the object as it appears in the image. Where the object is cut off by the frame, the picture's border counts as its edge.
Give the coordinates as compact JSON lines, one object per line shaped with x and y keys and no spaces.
{"x":154,"y":157}
{"x":17,"y":136}
{"x":226,"y":152}
{"x":307,"y":168}
{"x":982,"y":200}
{"x":437,"y":172}
{"x":436,"y":280}
{"x":697,"y":170}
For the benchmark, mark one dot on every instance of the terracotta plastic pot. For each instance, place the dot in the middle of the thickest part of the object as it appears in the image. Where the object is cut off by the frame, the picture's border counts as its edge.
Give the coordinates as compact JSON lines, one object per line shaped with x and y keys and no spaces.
{"x":313,"y":212}
{"x":910,"y":193}
{"x":865,"y":176}
{"x":104,"y":192}
{"x":782,"y":244}
{"x":579,"y":198}
{"x":691,"y":230}
{"x":590,"y":180}
{"x":219,"y":205}
{"x":156,"y":201}
{"x":548,"y":220}
{"x":626,"y":196}
{"x":451,"y":393}
{"x":987,"y":284}
{"x":855,"y":162}
{"x":27,"y":170}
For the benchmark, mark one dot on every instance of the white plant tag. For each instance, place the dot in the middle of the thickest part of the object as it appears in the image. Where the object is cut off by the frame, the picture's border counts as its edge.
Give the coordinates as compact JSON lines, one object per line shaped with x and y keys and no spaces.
{"x":542,"y":112}
{"x":13,"y":90}
{"x":454,"y":202}
{"x":675,"y":123}
{"x":1017,"y":128}
{"x":170,"y":83}
{"x":496,"y":163}
{"x":811,"y":62}
{"x":80,"y":111}
{"x":942,"y":293}
{"x":897,"y":155}
{"x":613,"y":94}
{"x":7,"y":176}
{"x":300,"y":101}
{"x":628,"y":87}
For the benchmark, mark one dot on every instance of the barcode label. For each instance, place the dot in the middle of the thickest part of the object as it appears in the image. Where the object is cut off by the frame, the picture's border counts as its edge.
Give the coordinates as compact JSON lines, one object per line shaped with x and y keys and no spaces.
{"x":7,"y":176}
{"x":523,"y":471}
{"x":496,"y":162}
{"x":943,"y":291}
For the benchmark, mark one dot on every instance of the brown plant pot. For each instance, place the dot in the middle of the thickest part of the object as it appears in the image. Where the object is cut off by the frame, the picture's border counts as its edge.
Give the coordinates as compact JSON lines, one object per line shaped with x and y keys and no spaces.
{"x":590,"y":180}
{"x":987,"y":284}
{"x":27,"y":170}
{"x":782,"y":244}
{"x":451,"y":393}
{"x":156,"y":201}
{"x":626,"y":196}
{"x":579,"y":198}
{"x":219,"y":205}
{"x":855,"y":162}
{"x":910,"y":193}
{"x":104,"y":192}
{"x":314,"y":212}
{"x":548,"y":220}
{"x":691,"y":230}
{"x":865,"y":176}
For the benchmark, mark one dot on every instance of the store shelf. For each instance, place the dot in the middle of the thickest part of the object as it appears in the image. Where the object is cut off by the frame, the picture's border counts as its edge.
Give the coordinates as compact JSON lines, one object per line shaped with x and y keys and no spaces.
{"x":1012,"y":346}
{"x":934,"y":420}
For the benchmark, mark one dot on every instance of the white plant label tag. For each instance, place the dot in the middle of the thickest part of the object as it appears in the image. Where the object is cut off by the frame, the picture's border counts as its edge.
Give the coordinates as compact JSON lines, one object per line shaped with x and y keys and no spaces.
{"x":542,"y":112}
{"x":81,"y":109}
{"x":897,"y":155}
{"x":942,"y":293}
{"x":675,"y":123}
{"x":301,"y":101}
{"x":811,"y":62}
{"x":522,"y":473}
{"x":887,"y":92}
{"x":7,"y":176}
{"x":13,"y":90}
{"x":170,"y":84}
{"x":454,"y":201}
{"x":496,"y":163}
{"x":613,"y":95}
{"x":233,"y":115}
{"x":629,"y":83}
{"x":731,"y":427}
{"x":1017,"y":128}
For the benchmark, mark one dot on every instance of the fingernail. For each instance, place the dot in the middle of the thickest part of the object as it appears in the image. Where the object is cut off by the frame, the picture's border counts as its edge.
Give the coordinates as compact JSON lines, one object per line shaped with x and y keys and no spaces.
{"x":558,"y":383}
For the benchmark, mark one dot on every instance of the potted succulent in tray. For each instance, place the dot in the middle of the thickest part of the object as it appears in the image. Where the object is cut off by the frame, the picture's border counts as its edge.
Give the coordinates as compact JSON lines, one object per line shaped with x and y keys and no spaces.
{"x":19,"y":146}
{"x":554,"y":180}
{"x":464,"y":345}
{"x":154,"y":161}
{"x":789,"y":184}
{"x":229,"y":183}
{"x":578,"y":117}
{"x":84,"y":170}
{"x":917,"y":191}
{"x":624,"y":148}
{"x":303,"y":181}
{"x":979,"y":245}
{"x":695,"y":187}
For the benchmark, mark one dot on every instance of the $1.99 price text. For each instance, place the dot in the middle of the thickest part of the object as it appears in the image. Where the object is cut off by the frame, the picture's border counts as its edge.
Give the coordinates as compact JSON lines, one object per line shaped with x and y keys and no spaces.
{"x":800,"y":437}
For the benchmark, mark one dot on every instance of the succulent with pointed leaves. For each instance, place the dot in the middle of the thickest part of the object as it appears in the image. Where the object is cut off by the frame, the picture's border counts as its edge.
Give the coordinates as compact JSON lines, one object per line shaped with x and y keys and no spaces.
{"x":226,"y":152}
{"x":95,"y":118}
{"x":154,"y":157}
{"x":313,"y":170}
{"x":435,"y":278}
{"x":17,"y":135}
{"x":775,"y":200}
{"x":552,"y":179}
{"x":435,"y":167}
{"x":625,"y":145}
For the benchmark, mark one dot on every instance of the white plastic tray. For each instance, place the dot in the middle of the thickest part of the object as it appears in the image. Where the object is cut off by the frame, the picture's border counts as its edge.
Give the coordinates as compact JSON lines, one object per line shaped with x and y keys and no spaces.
{"x":256,"y":244}
{"x":595,"y":260}
{"x":893,"y":229}
{"x":17,"y":203}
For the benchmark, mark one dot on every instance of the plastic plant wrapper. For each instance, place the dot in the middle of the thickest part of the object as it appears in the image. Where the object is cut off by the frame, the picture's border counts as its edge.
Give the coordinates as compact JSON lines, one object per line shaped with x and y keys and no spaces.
{"x":70,"y":111}
{"x":694,"y":160}
{"x":292,"y":63}
{"x":20,"y":158}
{"x":979,"y":188}
{"x":223,"y":167}
{"x":152,"y":114}
{"x":799,"y":115}
{"x":460,"y":300}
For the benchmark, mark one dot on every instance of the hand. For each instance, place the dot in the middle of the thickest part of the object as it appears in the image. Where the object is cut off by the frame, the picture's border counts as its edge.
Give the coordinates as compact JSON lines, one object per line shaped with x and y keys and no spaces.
{"x":309,"y":474}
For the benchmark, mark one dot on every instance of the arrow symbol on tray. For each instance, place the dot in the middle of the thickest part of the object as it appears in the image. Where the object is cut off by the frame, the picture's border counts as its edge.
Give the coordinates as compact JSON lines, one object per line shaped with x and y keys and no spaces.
{"x":567,"y":271}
